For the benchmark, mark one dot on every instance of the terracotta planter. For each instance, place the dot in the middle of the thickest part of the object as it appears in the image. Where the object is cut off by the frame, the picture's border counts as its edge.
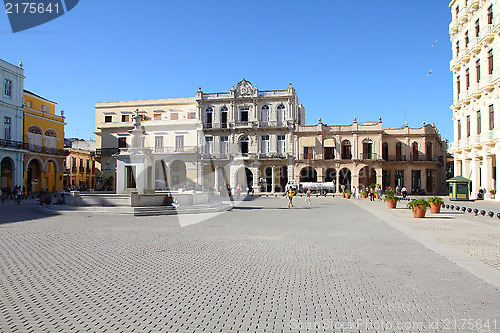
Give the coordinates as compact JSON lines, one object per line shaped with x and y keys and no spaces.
{"x":364,"y":196}
{"x":377,"y":195}
{"x":419,"y":212}
{"x":347,"y":196}
{"x":343,"y":195}
{"x":392,"y":203}
{"x":435,"y":208}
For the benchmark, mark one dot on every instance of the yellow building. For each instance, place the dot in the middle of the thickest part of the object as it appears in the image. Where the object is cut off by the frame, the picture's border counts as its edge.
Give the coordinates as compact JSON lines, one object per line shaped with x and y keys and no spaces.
{"x":82,"y":171}
{"x":44,"y":134}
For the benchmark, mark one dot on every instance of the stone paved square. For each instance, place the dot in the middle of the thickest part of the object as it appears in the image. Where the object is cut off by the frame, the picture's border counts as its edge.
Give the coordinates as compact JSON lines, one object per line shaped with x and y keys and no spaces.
{"x":329,"y":267}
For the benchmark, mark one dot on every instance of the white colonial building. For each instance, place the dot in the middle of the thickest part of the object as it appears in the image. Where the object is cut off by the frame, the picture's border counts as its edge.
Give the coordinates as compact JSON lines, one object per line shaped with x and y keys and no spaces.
{"x":248,"y":136}
{"x":476,"y":81}
{"x":11,"y":133}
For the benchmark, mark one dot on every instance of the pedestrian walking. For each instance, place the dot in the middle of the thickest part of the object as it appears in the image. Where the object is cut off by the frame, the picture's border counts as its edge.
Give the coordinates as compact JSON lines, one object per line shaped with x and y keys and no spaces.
{"x":308,"y":196}
{"x":380,"y":193}
{"x":372,"y":194}
{"x":290,"y":198}
{"x":404,"y":192}
{"x":19,"y":195}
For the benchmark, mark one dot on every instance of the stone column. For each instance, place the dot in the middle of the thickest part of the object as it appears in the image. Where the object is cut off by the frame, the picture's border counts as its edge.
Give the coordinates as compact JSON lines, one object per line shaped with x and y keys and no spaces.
{"x":216,"y":178}
{"x":273,"y":181}
{"x":256,"y":177}
{"x":475,"y":177}
{"x":378,"y":170}
{"x":456,"y":170}
{"x":486,"y":177}
{"x":337,"y":180}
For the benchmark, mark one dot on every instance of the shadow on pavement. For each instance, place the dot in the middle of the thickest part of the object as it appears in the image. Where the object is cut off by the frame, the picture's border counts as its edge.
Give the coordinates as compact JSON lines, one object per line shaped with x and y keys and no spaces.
{"x":26,"y":211}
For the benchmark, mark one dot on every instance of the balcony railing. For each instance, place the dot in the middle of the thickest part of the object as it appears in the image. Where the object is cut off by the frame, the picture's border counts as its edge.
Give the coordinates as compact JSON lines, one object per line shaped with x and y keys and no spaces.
{"x":486,"y":82}
{"x":368,"y":156}
{"x":487,"y":33}
{"x":274,"y":124}
{"x":12,"y":144}
{"x":215,"y":125}
{"x":394,"y":158}
{"x":82,"y":169}
{"x":243,"y":124}
{"x":464,"y":143}
{"x":74,"y":169}
{"x":473,"y":6}
{"x":473,"y":140}
{"x":426,"y":158}
{"x":106,"y":151}
{"x":33,"y":148}
{"x":273,"y":93}
{"x":212,"y":156}
{"x":271,"y":155}
{"x":217,"y":95}
{"x":175,"y":150}
{"x":486,"y":136}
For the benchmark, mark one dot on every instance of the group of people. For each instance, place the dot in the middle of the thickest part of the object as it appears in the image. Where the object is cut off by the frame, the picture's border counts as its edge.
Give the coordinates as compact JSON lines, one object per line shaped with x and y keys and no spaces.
{"x":230,"y":192}
{"x":370,"y":190}
{"x":17,"y":193}
{"x":290,"y":196}
{"x":171,"y":201}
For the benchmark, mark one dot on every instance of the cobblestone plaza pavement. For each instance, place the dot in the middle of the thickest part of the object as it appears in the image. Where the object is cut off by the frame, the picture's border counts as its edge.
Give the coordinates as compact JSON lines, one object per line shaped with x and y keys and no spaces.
{"x":334,"y":266}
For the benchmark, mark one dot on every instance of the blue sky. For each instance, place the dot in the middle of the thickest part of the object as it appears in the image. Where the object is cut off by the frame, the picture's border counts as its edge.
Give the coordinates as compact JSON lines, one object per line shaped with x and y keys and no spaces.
{"x":346,"y":59}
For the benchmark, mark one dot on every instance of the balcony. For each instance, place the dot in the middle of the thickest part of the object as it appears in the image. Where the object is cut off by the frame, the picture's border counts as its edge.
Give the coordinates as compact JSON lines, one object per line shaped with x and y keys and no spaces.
{"x":474,"y":140}
{"x":453,"y":145}
{"x":496,"y":133}
{"x":74,"y":169}
{"x":453,"y":28}
{"x":473,"y":6}
{"x":394,"y":158}
{"x":309,"y":156}
{"x":275,"y":124}
{"x":463,"y":16}
{"x":243,"y":124}
{"x":175,"y":150}
{"x":216,"y":156}
{"x":454,"y":63}
{"x":487,"y":83}
{"x":46,"y":150}
{"x":496,"y":23}
{"x":12,"y":144}
{"x":106,"y":151}
{"x":426,"y":158}
{"x":272,"y":155}
{"x":464,"y":95}
{"x":474,"y":90}
{"x":486,"y":136}
{"x":464,"y":56}
{"x":214,"y":125}
{"x":216,"y":95}
{"x":464,"y":143}
{"x":475,"y":45}
{"x":368,"y":156}
{"x":487,"y":34}
{"x":82,"y":169}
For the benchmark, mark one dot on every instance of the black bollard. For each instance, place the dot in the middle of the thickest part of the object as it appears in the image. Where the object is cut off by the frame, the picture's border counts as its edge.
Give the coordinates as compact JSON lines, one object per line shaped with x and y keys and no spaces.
{"x":483,"y":212}
{"x":469,"y":210}
{"x":491,"y":214}
{"x":476,"y":211}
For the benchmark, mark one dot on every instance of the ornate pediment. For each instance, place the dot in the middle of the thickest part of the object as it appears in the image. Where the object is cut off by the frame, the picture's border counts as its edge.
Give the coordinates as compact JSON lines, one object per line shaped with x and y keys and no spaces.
{"x":244,"y":88}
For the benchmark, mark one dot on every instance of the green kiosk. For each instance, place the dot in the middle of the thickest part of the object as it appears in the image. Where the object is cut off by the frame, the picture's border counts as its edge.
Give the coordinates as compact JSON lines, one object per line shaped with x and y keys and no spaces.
{"x":459,"y":188}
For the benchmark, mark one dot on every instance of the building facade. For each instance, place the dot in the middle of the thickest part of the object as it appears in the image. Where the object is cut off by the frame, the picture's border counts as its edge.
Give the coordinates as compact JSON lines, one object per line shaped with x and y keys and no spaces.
{"x":476,"y":87}
{"x":11,"y":134}
{"x":81,"y":169}
{"x":248,"y":136}
{"x":364,"y":154}
{"x":169,"y":145}
{"x":44,"y":136}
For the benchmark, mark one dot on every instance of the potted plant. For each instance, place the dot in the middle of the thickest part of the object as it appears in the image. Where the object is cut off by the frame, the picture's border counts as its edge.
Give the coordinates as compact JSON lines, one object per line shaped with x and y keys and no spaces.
{"x":376,"y":188}
{"x":419,"y":207}
{"x":435,"y":204}
{"x":392,"y":200}
{"x":342,"y":190}
{"x":364,"y":194}
{"x":347,"y":194}
{"x":493,"y":192}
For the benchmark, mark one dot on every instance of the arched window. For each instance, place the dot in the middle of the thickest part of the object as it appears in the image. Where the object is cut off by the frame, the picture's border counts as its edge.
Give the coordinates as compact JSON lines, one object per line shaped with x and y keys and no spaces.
{"x":223,"y":117}
{"x":51,"y":133}
{"x":35,"y":138}
{"x":244,"y":145}
{"x":346,"y":152}
{"x":399,"y":151}
{"x":367,"y":149}
{"x":264,"y":115}
{"x":50,"y":139}
{"x":414,"y":147}
{"x":385,"y":151}
{"x":209,"y":117}
{"x":35,"y":130}
{"x":428,"y":151}
{"x":280,"y":116}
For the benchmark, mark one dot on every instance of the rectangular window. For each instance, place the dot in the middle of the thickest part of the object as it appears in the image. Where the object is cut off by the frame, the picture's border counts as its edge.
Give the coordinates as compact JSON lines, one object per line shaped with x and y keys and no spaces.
{"x":308,"y":153}
{"x":8,"y":88}
{"x":468,"y":126}
{"x":478,"y":71}
{"x":457,"y":47}
{"x":174,"y":116}
{"x":459,"y":129}
{"x":490,"y":62}
{"x":479,"y":122}
{"x":329,"y":153}
{"x":122,"y":142}
{"x":179,"y":143}
{"x":244,"y":115}
{"x":467,"y":39}
{"x":458,"y":86}
{"x":477,"y":28}
{"x":7,"y":130}
{"x":158,"y":143}
{"x":157,"y":116}
{"x":490,"y":14}
{"x":125,"y":118}
{"x":209,"y":141}
{"x":108,"y":119}
{"x":264,"y":148}
{"x":467,"y":82}
{"x":281,"y":144}
{"x":492,"y":117}
{"x":399,"y":178}
{"x":224,"y":145}
{"x":192,"y":115}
